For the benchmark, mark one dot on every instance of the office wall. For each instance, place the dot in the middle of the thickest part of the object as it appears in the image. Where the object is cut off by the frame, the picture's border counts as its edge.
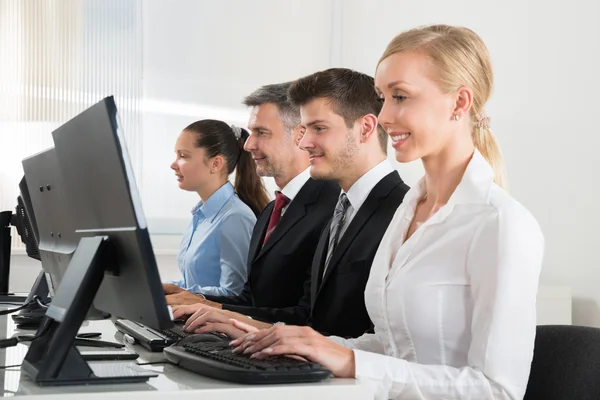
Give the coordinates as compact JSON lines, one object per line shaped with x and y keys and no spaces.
{"x":200,"y":59}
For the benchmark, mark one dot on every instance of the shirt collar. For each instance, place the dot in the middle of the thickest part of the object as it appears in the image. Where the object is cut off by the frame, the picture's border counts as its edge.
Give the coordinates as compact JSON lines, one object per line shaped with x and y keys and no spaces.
{"x":215,"y":202}
{"x":293,"y":187}
{"x":358,"y":193}
{"x":474,"y":186}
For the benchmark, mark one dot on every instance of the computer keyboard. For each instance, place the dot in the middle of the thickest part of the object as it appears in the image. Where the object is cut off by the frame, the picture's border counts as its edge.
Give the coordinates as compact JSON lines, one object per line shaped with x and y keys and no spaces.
{"x":217,"y":360}
{"x":176,"y":332}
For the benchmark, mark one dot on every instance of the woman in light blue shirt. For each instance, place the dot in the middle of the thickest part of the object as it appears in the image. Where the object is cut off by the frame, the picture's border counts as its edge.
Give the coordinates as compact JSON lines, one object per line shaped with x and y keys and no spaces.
{"x":214,"y":249}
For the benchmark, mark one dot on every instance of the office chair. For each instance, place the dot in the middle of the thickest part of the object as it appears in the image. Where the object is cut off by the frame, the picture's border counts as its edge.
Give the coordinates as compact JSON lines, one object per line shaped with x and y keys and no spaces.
{"x":566,"y":364}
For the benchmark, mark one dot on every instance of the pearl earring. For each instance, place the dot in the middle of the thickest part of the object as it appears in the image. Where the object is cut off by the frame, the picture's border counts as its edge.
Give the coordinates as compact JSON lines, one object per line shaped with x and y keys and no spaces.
{"x":455,"y":117}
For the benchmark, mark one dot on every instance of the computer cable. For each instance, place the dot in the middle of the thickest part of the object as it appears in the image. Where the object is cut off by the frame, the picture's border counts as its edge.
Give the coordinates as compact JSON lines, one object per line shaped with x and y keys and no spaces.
{"x":9,"y":366}
{"x":13,"y":341}
{"x":34,"y":300}
{"x":14,"y":310}
{"x":40,"y":302}
{"x":154,"y":363}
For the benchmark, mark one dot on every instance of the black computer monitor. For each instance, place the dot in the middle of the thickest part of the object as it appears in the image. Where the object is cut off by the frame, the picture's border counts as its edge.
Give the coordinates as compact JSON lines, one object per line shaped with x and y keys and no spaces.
{"x":46,"y":207}
{"x":57,"y":240}
{"x":25,"y":222}
{"x":113,"y":265}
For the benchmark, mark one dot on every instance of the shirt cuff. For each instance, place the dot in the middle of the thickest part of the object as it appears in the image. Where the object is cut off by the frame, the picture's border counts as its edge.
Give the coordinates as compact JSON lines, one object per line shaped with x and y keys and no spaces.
{"x":366,"y":364}
{"x":378,"y":367}
{"x":371,"y":370}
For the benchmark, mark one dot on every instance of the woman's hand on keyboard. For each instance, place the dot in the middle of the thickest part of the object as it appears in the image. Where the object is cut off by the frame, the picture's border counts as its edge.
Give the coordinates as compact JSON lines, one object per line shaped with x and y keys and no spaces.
{"x":301,"y":341}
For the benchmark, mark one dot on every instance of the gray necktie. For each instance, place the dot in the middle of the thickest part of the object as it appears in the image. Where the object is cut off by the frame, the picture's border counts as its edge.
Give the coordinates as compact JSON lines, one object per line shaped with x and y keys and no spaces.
{"x":337,"y":223}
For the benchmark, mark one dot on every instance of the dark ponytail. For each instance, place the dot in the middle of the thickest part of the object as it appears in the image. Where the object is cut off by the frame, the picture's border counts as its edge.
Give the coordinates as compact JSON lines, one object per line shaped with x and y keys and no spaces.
{"x":218,"y":138}
{"x":248,"y":184}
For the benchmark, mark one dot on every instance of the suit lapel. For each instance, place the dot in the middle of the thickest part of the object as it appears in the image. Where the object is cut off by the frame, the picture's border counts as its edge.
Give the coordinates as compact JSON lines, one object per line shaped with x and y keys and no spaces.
{"x":259,"y":232}
{"x":368,"y":208}
{"x":295,"y":212}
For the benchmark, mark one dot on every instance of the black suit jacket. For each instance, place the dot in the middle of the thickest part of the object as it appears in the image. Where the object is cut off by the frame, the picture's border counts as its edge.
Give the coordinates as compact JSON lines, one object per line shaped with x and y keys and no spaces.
{"x":334,"y":305}
{"x":278,"y":270}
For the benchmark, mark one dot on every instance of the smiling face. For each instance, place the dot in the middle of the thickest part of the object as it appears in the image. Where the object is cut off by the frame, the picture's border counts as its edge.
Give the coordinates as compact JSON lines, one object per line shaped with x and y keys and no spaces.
{"x":416,"y":113}
{"x":331,"y":145}
{"x":190,"y":166}
{"x":269,"y":143}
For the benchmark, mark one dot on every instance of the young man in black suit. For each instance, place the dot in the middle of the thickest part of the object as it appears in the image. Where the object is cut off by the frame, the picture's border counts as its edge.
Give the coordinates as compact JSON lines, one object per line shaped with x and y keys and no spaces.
{"x":287,"y":231}
{"x":339,"y":109}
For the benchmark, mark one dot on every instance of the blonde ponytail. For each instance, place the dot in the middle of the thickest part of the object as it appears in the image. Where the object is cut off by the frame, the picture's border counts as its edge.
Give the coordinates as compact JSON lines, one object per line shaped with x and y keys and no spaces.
{"x":486,"y":143}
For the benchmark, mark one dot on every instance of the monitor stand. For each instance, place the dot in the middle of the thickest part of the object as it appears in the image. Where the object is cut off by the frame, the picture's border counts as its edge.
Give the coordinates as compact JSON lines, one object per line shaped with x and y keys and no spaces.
{"x":52,"y":358}
{"x":5,"y":246}
{"x":32,"y":316}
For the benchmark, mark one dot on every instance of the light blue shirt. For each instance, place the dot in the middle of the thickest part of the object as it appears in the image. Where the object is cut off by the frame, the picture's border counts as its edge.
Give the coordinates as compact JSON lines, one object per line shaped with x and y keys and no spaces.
{"x":214,"y":249}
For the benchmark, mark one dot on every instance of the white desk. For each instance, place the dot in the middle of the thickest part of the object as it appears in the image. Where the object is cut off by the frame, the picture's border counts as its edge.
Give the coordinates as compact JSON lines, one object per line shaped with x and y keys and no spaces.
{"x":171,"y":383}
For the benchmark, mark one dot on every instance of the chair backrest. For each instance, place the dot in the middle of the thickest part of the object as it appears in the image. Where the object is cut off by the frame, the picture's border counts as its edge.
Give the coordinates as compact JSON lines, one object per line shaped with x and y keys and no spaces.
{"x":566,"y":364}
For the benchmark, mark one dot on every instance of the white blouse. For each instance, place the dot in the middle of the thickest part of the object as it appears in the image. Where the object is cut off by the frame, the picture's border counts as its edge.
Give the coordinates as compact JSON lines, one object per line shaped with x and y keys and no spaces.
{"x":454,"y":306}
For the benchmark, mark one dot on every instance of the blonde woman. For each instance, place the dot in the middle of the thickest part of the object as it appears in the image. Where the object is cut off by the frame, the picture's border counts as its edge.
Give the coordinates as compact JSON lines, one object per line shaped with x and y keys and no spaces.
{"x":453,"y":285}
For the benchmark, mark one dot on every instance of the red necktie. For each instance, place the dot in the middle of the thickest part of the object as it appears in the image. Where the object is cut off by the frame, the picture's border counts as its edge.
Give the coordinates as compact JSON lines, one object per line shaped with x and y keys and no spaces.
{"x":280,"y":202}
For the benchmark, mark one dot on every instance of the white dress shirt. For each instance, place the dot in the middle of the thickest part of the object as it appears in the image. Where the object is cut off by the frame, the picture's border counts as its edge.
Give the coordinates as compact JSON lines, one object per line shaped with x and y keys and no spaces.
{"x":454,"y":305}
{"x":293,"y":187}
{"x":358,"y":193}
